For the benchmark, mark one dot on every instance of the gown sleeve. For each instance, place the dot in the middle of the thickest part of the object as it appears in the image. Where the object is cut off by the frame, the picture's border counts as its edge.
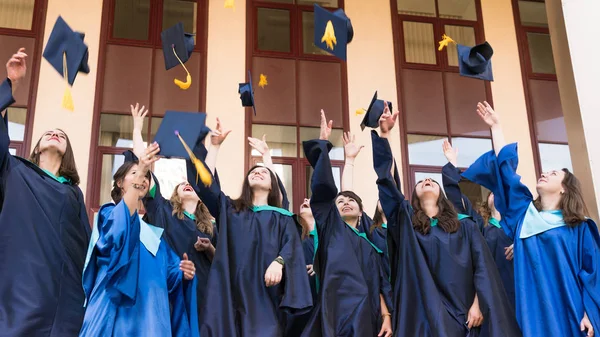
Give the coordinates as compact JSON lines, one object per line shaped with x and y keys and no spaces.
{"x":6,"y":97}
{"x":154,"y":199}
{"x":462,"y":204}
{"x":322,"y":184}
{"x":118,"y":247}
{"x":589,"y":275}
{"x":499,"y":175}
{"x":285,"y":201}
{"x":4,"y":153}
{"x":211,"y":196}
{"x":182,"y":297}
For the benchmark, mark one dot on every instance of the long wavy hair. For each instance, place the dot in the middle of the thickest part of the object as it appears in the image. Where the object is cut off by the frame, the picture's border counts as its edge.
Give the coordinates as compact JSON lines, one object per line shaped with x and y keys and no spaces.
{"x":571,"y":203}
{"x":377,"y":220}
{"x":244,"y":202}
{"x":117,"y":192}
{"x":67,"y":168}
{"x":447,"y":216}
{"x":485,"y":210}
{"x":203,"y":216}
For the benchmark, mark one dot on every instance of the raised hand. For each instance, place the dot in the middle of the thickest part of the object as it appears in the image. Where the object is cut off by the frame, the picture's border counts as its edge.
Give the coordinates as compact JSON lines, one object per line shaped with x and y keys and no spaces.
{"x":218,"y":135}
{"x":149,"y":157}
{"x":350,"y":148}
{"x":387,"y":119}
{"x":487,"y":114}
{"x":325,"y":127}
{"x":16,"y":67}
{"x":450,"y":153}
{"x":259,"y":145}
{"x":187,"y":267}
{"x":138,"y":116}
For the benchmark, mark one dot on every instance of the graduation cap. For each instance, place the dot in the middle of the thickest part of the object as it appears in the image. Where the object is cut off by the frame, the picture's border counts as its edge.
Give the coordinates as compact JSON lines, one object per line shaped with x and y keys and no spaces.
{"x":476,"y":61}
{"x":333,"y":31}
{"x":247,"y":93}
{"x":177,"y":46}
{"x":177,"y":130}
{"x":374,"y":112}
{"x":67,"y":53}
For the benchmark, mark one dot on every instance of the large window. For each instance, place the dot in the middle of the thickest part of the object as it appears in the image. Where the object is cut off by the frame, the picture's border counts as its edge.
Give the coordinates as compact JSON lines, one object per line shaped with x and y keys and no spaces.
{"x":547,"y":122}
{"x":436,"y":102}
{"x":20,"y":26}
{"x":131,"y":69}
{"x":302,"y":80}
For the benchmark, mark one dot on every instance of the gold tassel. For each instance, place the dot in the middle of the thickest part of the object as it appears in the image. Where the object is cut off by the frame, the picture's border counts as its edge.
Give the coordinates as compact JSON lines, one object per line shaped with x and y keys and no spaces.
{"x":182,"y":85}
{"x":329,"y":35}
{"x":263,"y":81}
{"x":360,"y":111}
{"x":201,"y":170}
{"x":67,"y":101}
{"x":445,"y":41}
{"x":229,"y":4}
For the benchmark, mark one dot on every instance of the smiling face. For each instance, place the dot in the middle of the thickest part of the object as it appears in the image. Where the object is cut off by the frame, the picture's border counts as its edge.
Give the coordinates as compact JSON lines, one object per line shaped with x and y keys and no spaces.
{"x":551,"y":182}
{"x":260,"y":178}
{"x":347,"y":206}
{"x":185,"y":191}
{"x":126,"y":183}
{"x":55,"y":140}
{"x":305,"y":208}
{"x":427,"y":188}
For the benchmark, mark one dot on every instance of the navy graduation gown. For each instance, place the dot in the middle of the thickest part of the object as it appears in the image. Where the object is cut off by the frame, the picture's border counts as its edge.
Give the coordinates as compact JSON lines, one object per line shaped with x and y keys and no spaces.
{"x":6,"y":97}
{"x":238,"y":303}
{"x":436,"y":276}
{"x":348,"y":266}
{"x":378,"y":237}
{"x":557,"y":275}
{"x":181,"y":235}
{"x":132,"y":280}
{"x":44,"y":233}
{"x":495,"y":237}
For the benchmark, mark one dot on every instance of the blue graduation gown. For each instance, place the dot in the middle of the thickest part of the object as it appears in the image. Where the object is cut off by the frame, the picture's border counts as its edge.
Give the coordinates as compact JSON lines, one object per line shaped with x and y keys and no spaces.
{"x":436,"y":276}
{"x":44,"y":233}
{"x":557,"y":275}
{"x":181,"y":235}
{"x":135,"y":288}
{"x":495,"y":237}
{"x":238,"y":303}
{"x":348,"y":266}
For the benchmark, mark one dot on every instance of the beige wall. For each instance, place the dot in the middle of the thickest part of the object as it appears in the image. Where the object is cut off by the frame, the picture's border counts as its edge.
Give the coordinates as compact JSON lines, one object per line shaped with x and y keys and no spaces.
{"x":83,"y":16}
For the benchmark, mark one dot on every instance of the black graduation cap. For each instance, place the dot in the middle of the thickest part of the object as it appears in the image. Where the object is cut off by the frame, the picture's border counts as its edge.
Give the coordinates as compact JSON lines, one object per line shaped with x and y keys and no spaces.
{"x":333,"y":31}
{"x":476,"y":61}
{"x":247,"y":93}
{"x":129,"y":156}
{"x":176,"y":37}
{"x":374,"y":113}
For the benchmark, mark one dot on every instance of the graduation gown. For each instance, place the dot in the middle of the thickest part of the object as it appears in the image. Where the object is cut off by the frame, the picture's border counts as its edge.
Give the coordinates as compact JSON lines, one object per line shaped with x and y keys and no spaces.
{"x":493,"y":233}
{"x":181,"y":235}
{"x":44,"y":233}
{"x":436,"y":276}
{"x":378,"y":237}
{"x":557,"y":275}
{"x":132,"y":281}
{"x":348,"y":266}
{"x":238,"y":303}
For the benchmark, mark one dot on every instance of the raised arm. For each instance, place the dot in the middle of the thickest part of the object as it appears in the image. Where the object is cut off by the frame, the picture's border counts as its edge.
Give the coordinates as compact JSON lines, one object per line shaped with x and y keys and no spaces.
{"x":491,"y":118}
{"x":210,"y":195}
{"x":16,"y":68}
{"x":351,"y":151}
{"x":217,"y":138}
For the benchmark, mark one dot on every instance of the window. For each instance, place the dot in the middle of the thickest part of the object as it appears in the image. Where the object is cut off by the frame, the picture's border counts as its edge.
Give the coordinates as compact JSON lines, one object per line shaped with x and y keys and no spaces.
{"x":20,"y":27}
{"x":437,"y":103}
{"x":302,"y":80}
{"x":547,"y":123}
{"x":131,"y":69}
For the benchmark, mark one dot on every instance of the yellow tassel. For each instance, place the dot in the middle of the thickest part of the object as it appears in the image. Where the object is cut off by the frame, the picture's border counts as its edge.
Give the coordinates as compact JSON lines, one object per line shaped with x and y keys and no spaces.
{"x":445,"y":41}
{"x":263,"y":81}
{"x":67,"y":101}
{"x":329,"y":36}
{"x":201,"y":170}
{"x":182,"y":85}
{"x":229,"y":4}
{"x":360,"y":111}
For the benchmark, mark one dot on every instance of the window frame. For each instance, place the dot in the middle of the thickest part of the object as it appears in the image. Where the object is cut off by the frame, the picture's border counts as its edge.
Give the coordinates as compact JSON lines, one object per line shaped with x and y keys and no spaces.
{"x":153,"y":43}
{"x":34,"y":63}
{"x":442,"y":66}
{"x":297,"y":54}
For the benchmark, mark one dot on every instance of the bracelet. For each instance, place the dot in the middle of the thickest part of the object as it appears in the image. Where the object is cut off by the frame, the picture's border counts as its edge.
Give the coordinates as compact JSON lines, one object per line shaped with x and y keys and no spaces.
{"x":279,"y":260}
{"x":388,"y":314}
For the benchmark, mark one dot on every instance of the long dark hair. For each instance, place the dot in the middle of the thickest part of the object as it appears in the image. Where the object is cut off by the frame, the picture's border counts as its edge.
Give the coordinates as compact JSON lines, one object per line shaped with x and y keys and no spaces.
{"x":571,"y":203}
{"x":117,"y":192}
{"x":245,"y":200}
{"x":201,"y":213}
{"x":67,"y":168}
{"x":447,"y":216}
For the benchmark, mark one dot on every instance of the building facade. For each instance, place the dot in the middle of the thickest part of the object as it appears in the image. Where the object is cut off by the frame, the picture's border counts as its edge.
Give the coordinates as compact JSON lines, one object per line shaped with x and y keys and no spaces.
{"x":544,"y":86}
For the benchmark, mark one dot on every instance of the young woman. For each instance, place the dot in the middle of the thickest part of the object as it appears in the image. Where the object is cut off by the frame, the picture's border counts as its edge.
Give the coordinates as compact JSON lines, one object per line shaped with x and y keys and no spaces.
{"x":44,"y":230}
{"x":487,"y":218}
{"x":354,"y":293}
{"x":445,"y":280}
{"x":258,"y":275}
{"x":556,"y":247}
{"x":187,"y":224}
{"x":134,"y":282}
